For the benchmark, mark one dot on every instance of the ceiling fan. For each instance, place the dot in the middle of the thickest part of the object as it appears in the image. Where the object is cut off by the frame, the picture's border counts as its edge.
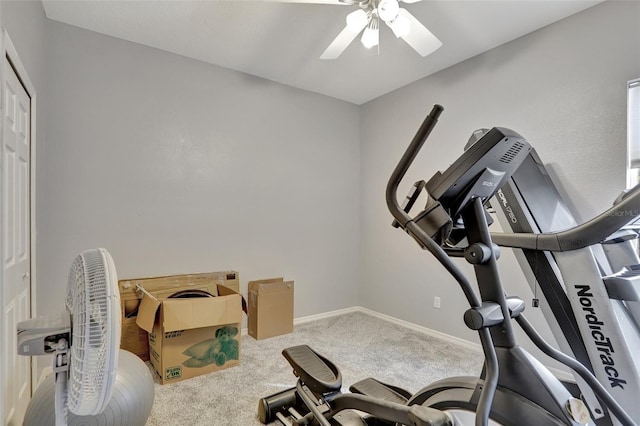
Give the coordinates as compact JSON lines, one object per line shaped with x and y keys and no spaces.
{"x":366,"y":20}
{"x":403,"y":24}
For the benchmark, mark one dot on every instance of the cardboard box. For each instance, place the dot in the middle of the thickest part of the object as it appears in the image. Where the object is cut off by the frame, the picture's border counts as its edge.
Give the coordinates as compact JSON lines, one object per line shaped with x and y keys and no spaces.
{"x":133,"y":338}
{"x":226,"y":278}
{"x":136,"y":340}
{"x":270,"y":308}
{"x":192,"y":336}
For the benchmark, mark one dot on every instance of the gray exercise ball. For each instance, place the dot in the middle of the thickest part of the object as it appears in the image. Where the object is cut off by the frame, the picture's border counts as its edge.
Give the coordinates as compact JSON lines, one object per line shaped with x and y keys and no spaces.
{"x":130,"y":403}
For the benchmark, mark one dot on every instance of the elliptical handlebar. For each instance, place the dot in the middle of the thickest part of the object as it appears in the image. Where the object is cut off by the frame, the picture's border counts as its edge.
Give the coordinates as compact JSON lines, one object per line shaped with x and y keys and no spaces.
{"x":405,"y":162}
{"x":589,"y":233}
{"x":403,"y":218}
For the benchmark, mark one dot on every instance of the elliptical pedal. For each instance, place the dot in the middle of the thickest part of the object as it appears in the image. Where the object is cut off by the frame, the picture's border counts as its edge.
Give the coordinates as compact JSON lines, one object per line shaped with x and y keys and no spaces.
{"x":315,"y":371}
{"x":374,"y":388}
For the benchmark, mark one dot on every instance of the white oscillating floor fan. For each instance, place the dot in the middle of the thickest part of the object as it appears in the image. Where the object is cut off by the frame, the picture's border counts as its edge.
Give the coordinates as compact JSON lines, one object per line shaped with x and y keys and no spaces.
{"x":84,"y":341}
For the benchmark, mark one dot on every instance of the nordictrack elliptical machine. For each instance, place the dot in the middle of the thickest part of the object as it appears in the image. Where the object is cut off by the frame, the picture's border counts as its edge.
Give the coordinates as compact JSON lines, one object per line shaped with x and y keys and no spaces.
{"x":587,"y":308}
{"x":514,"y":388}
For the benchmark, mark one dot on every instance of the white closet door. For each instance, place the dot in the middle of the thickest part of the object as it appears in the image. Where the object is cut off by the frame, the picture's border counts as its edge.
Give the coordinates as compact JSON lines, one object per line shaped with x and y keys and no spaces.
{"x":16,"y":259}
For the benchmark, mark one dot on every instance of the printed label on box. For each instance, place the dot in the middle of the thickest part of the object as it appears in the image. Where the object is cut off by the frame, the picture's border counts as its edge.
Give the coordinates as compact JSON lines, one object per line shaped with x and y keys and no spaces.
{"x":173,"y":373}
{"x":173,"y":334}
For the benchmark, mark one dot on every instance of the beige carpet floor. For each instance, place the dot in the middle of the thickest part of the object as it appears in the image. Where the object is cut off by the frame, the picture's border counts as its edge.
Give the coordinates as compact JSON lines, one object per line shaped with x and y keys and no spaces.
{"x":359,"y":344}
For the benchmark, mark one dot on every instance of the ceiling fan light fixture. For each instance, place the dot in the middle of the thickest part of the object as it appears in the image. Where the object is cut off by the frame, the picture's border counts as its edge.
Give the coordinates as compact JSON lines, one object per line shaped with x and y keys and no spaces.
{"x":357,"y":20}
{"x":371,"y":35}
{"x":400,"y":26}
{"x":368,"y":16}
{"x":388,"y":10}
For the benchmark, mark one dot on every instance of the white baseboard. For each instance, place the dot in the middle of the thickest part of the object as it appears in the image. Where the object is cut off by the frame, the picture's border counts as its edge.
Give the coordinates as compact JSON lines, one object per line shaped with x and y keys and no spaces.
{"x":329,"y":314}
{"x":424,"y":330}
{"x":562,"y":375}
{"x":308,"y":318}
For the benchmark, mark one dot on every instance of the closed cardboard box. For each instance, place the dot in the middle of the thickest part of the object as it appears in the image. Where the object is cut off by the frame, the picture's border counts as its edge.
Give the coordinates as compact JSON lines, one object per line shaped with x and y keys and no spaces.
{"x":135,"y":339}
{"x":270,"y":308}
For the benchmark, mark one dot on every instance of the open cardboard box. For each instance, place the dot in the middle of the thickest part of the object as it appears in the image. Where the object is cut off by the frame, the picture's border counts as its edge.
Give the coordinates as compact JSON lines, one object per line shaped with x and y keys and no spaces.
{"x":191,"y":336}
{"x":135,"y":339}
{"x":129,"y":291}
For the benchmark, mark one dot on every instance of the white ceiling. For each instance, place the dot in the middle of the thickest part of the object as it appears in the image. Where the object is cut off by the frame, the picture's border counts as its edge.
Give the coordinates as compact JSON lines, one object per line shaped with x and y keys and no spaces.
{"x":281,"y":41}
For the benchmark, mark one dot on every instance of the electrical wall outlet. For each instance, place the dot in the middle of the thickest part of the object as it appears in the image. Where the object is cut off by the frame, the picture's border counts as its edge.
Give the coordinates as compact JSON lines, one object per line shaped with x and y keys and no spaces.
{"x":436,"y":302}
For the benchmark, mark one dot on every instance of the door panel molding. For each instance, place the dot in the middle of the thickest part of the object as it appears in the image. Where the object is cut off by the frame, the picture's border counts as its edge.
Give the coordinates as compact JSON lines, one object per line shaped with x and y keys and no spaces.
{"x":26,"y":245}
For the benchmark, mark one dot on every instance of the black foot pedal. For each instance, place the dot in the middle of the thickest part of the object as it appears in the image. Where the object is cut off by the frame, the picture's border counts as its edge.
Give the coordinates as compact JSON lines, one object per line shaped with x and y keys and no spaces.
{"x":315,"y":371}
{"x":372,"y":387}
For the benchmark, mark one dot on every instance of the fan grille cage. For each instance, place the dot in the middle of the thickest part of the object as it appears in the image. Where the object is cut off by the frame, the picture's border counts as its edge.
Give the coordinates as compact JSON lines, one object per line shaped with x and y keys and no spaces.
{"x":92,"y":299}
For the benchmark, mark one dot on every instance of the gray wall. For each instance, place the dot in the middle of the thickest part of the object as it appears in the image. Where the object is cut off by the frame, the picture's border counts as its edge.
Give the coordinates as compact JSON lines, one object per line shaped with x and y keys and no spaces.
{"x":562,"y":87}
{"x":177,"y":166}
{"x":25,"y":22}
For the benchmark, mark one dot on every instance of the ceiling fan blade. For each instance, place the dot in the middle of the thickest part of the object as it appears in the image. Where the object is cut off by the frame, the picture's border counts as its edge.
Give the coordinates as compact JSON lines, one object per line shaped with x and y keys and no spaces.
{"x":419,"y":37}
{"x":340,"y":43}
